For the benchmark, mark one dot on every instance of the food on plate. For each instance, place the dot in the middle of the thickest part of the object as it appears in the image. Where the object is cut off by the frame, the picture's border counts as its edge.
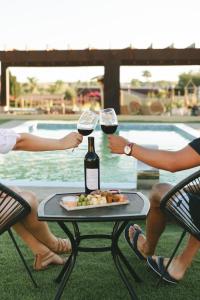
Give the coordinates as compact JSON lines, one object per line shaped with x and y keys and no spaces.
{"x":115,"y":198}
{"x":100,"y":197}
{"x":95,"y":198}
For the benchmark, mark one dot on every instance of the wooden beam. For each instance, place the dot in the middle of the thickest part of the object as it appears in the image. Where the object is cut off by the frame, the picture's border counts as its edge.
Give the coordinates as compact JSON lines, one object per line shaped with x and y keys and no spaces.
{"x":87,"y":57}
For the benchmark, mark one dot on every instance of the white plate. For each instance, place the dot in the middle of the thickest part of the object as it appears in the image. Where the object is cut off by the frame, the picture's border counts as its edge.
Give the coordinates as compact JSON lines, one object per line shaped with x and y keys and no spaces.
{"x":93,"y":206}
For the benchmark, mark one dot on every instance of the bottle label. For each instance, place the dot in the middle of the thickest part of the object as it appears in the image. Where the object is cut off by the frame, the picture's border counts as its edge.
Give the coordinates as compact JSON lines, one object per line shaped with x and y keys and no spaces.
{"x":92,"y":179}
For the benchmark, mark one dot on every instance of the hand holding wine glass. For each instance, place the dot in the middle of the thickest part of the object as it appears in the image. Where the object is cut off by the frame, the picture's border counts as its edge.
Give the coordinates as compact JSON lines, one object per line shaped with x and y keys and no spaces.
{"x":108,"y":120}
{"x":72,"y":140}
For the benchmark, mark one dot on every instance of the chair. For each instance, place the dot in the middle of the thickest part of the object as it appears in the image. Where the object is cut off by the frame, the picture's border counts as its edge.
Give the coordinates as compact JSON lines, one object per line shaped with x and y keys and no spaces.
{"x":182,"y":202}
{"x":12,"y":209}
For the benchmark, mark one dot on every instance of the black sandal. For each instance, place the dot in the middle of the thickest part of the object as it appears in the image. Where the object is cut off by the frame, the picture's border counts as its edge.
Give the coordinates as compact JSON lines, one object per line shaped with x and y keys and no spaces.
{"x":159,"y":269}
{"x":133,"y":242}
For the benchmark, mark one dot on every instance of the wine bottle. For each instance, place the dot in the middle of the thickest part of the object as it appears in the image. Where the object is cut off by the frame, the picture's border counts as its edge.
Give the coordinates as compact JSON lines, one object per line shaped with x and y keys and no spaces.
{"x":91,"y":168}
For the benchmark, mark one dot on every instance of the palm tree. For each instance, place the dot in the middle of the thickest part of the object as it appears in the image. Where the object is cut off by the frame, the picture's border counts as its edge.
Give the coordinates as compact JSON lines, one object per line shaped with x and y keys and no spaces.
{"x":32,"y":84}
{"x":146,"y":74}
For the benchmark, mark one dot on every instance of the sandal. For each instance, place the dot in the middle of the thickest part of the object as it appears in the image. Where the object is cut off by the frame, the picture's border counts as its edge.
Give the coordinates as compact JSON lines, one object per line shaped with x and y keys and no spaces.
{"x":42,"y":261}
{"x":159,"y":268}
{"x":133,"y":242}
{"x":62,"y":246}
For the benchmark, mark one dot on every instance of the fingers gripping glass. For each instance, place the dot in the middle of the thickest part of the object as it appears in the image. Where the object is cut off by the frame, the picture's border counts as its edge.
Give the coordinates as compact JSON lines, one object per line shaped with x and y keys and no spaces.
{"x":108,"y":120}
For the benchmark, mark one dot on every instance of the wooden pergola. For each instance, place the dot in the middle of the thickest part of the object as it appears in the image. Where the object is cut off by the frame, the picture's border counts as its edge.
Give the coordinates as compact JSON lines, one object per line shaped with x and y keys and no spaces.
{"x":111,"y":60}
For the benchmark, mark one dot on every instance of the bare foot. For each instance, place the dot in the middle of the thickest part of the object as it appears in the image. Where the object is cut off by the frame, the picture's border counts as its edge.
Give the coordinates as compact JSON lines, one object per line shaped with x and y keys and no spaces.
{"x":42,"y":261}
{"x":61,"y":246}
{"x":141,"y":239}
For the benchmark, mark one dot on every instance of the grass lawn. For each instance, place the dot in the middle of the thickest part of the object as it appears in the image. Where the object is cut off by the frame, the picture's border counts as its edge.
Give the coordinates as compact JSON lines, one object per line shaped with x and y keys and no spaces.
{"x":94,"y":276}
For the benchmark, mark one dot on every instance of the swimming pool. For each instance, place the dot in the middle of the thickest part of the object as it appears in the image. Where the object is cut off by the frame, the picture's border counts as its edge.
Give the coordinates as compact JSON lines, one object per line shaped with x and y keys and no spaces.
{"x":66,"y":167}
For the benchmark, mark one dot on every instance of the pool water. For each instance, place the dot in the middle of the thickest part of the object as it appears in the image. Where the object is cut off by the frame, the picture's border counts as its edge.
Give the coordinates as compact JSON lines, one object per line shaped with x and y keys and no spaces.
{"x":67,"y":166}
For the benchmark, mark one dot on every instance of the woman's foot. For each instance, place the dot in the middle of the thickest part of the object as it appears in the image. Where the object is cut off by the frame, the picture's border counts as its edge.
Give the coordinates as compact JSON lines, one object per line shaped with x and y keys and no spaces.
{"x":61,"y":246}
{"x":140,"y":240}
{"x":42,"y":261}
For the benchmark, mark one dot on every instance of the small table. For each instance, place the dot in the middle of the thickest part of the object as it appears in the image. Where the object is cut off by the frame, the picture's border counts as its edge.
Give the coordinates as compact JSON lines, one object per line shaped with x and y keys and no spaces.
{"x":137,"y":209}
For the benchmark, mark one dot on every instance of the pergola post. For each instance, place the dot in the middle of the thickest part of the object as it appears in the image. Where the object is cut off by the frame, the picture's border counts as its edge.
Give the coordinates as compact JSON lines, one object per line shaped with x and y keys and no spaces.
{"x":4,"y":86}
{"x":112,"y":85}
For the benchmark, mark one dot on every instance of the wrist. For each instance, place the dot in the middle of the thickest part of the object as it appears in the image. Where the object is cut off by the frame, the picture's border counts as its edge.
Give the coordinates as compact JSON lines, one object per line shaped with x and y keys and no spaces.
{"x":61,"y":145}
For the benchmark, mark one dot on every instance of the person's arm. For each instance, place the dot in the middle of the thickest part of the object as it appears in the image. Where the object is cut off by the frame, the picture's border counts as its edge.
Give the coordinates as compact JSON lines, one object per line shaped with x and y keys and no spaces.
{"x":167,"y":160}
{"x":29,"y":142}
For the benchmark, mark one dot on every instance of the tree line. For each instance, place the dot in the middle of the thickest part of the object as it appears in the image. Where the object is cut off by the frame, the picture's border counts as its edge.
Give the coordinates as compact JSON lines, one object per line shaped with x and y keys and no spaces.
{"x":182,"y":82}
{"x":32,"y":86}
{"x":60,"y":87}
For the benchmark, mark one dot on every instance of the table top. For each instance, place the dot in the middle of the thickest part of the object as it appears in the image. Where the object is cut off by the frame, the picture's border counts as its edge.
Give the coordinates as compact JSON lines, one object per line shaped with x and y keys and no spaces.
{"x":137,"y":208}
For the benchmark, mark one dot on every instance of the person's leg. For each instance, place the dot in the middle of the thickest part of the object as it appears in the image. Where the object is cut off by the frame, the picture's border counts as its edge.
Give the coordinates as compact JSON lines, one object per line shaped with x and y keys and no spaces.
{"x":43,"y":256}
{"x":155,"y":223}
{"x":40,"y":230}
{"x":156,"y":219}
{"x":35,"y":245}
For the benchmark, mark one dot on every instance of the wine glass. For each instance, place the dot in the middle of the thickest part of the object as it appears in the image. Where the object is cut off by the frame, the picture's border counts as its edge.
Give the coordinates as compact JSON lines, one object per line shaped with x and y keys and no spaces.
{"x":108,"y":120}
{"x":87,"y":122}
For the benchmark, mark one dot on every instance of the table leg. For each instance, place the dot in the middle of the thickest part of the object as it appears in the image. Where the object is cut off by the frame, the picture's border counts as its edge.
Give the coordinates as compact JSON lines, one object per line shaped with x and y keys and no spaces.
{"x":76,"y":232}
{"x":124,"y":278}
{"x":65,"y":279}
{"x":118,"y":257}
{"x":66,"y":271}
{"x":129,"y":267}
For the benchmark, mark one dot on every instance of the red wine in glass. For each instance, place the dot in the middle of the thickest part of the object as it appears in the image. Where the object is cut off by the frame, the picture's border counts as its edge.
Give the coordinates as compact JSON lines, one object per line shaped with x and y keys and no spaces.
{"x":108,"y":120}
{"x":85,"y":131}
{"x":87,"y":122}
{"x":109,"y":129}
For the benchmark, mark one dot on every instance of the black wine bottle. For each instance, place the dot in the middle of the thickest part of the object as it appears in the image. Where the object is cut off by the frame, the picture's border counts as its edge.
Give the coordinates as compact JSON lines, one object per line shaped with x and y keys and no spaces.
{"x":91,"y":168}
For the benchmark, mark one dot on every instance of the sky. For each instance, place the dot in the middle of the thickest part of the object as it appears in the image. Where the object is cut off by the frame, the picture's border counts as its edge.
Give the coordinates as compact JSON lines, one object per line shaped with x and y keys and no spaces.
{"x":105,"y":24}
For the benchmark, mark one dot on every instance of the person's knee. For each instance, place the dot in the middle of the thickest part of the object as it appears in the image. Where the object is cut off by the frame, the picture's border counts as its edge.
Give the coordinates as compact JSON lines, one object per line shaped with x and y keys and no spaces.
{"x":16,"y":189}
{"x":31,"y":198}
{"x":157,"y":192}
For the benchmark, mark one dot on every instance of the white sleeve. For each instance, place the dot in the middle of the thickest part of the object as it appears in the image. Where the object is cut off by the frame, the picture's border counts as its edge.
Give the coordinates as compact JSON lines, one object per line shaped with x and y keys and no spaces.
{"x":8,"y":138}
